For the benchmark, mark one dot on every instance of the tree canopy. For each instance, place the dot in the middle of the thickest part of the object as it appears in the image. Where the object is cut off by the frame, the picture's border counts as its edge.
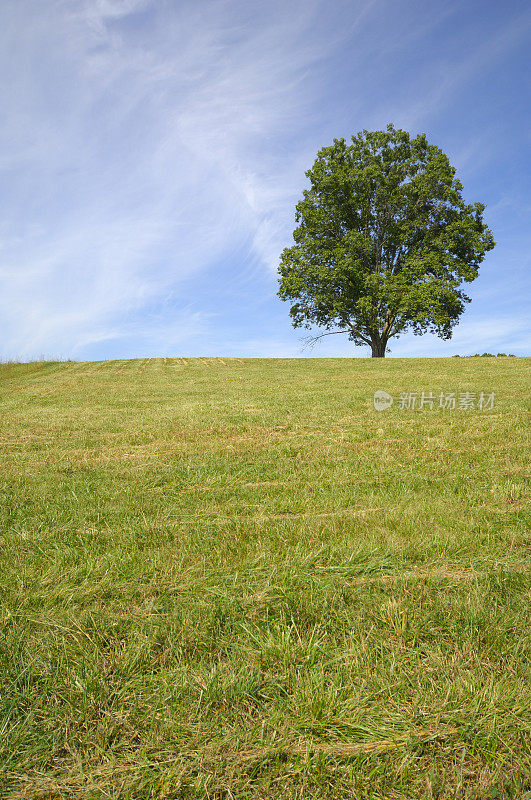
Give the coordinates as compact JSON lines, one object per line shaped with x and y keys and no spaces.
{"x":384,"y":241}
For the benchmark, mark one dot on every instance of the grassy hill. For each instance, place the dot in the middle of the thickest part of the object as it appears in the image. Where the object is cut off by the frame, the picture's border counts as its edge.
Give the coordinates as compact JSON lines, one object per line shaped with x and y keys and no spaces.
{"x":228,"y":578}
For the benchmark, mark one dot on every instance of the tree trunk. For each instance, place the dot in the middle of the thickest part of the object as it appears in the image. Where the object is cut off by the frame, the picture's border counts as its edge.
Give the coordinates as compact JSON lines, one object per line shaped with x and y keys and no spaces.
{"x":378,"y":348}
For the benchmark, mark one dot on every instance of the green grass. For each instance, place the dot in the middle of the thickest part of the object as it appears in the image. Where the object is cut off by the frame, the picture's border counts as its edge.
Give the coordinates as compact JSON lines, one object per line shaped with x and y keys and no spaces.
{"x":235,"y":579}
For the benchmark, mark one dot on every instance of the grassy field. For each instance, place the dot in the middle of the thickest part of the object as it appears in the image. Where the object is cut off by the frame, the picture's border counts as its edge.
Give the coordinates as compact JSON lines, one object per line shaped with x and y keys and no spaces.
{"x":235,"y":579}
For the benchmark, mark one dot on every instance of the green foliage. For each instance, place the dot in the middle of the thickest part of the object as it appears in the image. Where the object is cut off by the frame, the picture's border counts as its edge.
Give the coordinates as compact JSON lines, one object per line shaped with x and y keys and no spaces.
{"x":384,"y":241}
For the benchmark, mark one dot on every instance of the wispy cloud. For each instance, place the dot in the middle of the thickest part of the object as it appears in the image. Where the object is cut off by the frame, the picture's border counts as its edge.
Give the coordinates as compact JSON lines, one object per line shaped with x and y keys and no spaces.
{"x":140,"y":144}
{"x":151,"y":154}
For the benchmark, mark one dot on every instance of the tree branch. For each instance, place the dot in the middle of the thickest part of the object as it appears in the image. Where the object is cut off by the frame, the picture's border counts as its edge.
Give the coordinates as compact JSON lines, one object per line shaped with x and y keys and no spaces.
{"x":311,"y":341}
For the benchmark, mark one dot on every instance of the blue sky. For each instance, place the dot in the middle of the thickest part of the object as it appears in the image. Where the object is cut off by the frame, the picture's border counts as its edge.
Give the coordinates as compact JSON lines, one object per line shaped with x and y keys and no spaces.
{"x":152,"y":152}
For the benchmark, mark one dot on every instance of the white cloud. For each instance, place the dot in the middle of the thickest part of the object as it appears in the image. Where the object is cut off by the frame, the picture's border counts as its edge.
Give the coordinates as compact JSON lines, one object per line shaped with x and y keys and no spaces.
{"x":145,"y":142}
{"x":140,"y":145}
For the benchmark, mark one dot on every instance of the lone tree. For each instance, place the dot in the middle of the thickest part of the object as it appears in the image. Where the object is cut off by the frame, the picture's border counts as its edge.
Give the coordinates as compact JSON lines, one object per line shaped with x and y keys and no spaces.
{"x":384,"y":241}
